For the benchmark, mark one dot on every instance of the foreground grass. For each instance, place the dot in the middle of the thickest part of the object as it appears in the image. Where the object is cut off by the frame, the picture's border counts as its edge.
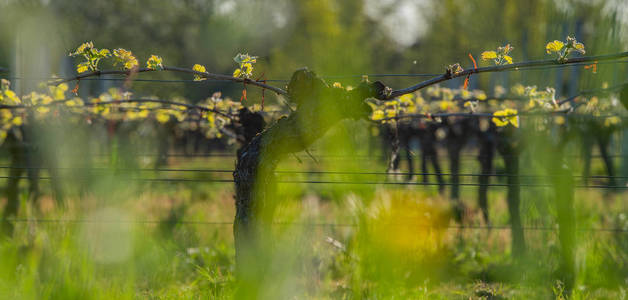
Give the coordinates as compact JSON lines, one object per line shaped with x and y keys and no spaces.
{"x":127,"y":240}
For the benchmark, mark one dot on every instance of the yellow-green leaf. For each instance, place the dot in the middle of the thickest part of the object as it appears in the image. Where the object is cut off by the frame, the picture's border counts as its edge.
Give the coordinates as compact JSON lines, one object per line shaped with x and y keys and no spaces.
{"x":82,"y":67}
{"x":377,"y":115}
{"x":17,"y":121}
{"x":81,"y":49}
{"x":507,"y":59}
{"x":104,"y":53}
{"x":248,"y":69}
{"x":162,"y":117}
{"x":154,"y":63}
{"x":579,"y":47}
{"x":199,"y":68}
{"x":406,"y":98}
{"x":486,"y":55}
{"x":554,"y":46}
{"x":506,"y":116}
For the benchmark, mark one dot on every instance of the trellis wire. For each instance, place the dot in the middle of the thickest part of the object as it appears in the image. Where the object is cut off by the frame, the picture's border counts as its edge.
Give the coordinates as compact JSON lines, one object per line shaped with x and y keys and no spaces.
{"x":304,"y":224}
{"x":375,"y":75}
{"x":345,"y":182}
{"x":229,"y":171}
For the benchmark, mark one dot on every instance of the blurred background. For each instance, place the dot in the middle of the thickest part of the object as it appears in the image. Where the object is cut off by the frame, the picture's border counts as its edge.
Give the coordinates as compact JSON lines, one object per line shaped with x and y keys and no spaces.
{"x":333,"y":38}
{"x":144,"y":218}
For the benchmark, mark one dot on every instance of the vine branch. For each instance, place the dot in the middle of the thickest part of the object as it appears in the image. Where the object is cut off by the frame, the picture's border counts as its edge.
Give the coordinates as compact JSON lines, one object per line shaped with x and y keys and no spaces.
{"x":499,"y":68}
{"x":207,"y":75}
{"x":391,"y":95}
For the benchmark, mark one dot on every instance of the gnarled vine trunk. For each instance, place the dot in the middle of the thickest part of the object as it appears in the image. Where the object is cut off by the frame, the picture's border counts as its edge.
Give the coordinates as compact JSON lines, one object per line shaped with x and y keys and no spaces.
{"x":319,"y":108}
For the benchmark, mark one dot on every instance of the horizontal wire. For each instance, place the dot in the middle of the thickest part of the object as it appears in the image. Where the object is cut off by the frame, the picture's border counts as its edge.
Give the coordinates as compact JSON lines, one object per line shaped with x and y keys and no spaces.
{"x":304,"y":224}
{"x":618,"y":61}
{"x":227,"y":154}
{"x":145,"y":80}
{"x":308,"y":172}
{"x":462,"y":184}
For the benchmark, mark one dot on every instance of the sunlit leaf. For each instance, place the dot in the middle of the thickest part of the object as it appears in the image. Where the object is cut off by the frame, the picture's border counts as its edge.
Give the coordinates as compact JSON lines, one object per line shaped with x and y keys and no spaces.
{"x":82,"y":67}
{"x":554,"y":46}
{"x":199,"y":68}
{"x":506,"y":116}
{"x":486,"y":55}
{"x":154,"y":62}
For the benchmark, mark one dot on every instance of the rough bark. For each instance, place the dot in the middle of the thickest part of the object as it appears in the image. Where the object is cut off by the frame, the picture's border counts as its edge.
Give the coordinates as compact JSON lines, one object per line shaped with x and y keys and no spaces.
{"x":319,"y":108}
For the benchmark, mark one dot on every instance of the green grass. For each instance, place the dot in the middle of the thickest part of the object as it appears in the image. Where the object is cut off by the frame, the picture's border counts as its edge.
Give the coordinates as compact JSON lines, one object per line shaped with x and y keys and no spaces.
{"x":109,"y":251}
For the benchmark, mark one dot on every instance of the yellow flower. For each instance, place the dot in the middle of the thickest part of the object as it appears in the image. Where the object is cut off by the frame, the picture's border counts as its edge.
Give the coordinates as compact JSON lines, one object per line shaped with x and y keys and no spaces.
{"x":337,"y":85}
{"x":508,"y":59}
{"x":554,"y":46}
